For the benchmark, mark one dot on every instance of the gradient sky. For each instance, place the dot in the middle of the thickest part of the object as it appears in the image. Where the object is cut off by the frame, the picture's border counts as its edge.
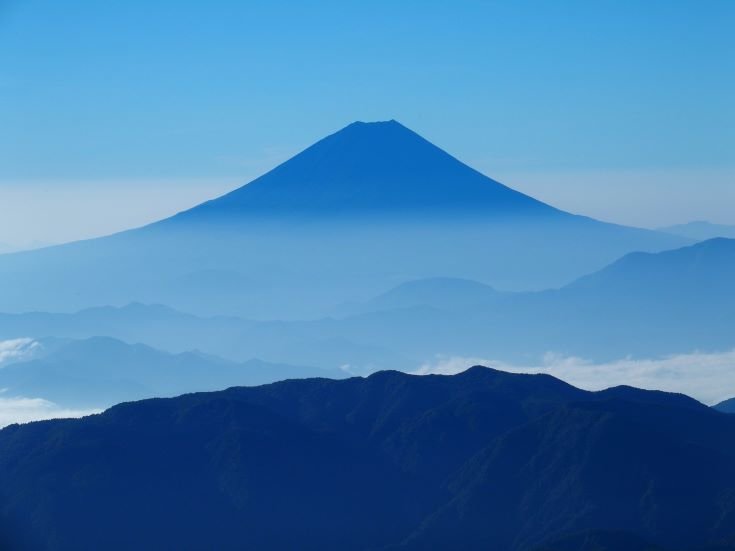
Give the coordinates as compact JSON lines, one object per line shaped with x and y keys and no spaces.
{"x":117,"y":113}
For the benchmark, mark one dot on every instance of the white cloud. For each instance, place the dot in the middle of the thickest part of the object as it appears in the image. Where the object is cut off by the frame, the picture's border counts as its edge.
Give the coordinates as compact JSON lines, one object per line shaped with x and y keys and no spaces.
{"x":22,"y":410}
{"x":708,"y":377}
{"x":17,"y":349}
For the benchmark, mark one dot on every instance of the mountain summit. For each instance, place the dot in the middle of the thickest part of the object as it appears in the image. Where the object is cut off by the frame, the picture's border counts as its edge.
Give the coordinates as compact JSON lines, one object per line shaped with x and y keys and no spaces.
{"x":372,"y":168}
{"x":359,"y":212}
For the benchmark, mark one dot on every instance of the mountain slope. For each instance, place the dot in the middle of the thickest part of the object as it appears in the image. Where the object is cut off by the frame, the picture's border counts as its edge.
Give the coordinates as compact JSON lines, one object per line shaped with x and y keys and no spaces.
{"x":480,"y":460}
{"x":369,"y":168}
{"x":706,"y":268}
{"x":726,"y":406}
{"x":361,"y":211}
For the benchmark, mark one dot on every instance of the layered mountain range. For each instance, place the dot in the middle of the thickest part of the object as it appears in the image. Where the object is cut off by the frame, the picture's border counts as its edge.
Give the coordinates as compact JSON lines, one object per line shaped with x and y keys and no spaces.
{"x":373,"y":249}
{"x":643,"y":305}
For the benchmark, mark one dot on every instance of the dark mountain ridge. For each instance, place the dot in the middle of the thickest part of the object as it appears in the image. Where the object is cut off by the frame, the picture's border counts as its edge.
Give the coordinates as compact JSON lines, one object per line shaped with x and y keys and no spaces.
{"x":480,"y":460}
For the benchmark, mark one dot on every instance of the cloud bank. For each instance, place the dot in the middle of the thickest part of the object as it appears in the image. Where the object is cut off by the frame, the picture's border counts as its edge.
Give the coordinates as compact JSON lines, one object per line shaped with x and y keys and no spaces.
{"x":22,"y":410}
{"x":708,"y":377}
{"x":17,"y":349}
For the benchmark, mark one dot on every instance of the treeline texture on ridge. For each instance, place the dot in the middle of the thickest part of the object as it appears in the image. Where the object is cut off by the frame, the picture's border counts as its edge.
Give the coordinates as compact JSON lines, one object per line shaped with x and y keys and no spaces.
{"x":479,"y":460}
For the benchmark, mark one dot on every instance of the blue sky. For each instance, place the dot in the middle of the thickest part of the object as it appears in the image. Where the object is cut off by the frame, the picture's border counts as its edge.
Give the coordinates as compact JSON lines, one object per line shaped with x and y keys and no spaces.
{"x":116,"y":113}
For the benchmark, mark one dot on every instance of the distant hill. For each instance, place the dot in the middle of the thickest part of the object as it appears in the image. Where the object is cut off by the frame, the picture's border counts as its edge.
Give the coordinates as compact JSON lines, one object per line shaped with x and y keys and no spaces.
{"x":644,"y":305}
{"x":361,"y":211}
{"x":726,"y":406}
{"x":235,"y":339}
{"x":700,"y":230}
{"x":704,"y":268}
{"x":101,"y":371}
{"x":439,"y":292}
{"x":480,"y":460}
{"x":153,"y":324}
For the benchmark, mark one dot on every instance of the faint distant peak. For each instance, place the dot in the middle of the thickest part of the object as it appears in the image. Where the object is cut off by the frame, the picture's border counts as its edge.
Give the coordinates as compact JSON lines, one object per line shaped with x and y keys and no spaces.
{"x":700,"y":230}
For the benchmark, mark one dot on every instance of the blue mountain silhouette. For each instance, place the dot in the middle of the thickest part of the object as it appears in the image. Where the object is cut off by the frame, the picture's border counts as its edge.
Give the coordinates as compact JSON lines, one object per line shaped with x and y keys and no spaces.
{"x":480,"y":460}
{"x":367,"y":169}
{"x":358,"y":212}
{"x":726,"y":406}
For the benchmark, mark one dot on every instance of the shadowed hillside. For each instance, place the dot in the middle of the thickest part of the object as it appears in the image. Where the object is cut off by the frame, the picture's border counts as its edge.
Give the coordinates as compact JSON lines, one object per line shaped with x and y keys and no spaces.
{"x":480,"y":460}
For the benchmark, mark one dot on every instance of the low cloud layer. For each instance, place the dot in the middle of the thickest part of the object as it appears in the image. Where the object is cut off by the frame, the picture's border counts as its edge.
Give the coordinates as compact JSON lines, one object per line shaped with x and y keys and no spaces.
{"x":23,"y":410}
{"x":14,"y":350}
{"x":20,"y":409}
{"x":708,"y":377}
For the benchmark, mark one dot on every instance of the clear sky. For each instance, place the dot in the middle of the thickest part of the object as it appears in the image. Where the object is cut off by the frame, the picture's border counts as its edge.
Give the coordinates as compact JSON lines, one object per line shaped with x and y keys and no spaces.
{"x":116,"y":113}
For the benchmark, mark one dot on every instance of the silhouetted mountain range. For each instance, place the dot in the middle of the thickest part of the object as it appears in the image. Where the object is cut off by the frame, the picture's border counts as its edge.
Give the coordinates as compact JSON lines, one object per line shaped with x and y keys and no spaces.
{"x":364,"y":209}
{"x":480,"y":460}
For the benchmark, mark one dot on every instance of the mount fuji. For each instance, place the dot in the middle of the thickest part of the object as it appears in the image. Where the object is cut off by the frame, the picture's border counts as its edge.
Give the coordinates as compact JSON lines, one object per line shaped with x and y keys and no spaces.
{"x":363,"y":210}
